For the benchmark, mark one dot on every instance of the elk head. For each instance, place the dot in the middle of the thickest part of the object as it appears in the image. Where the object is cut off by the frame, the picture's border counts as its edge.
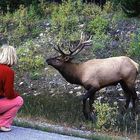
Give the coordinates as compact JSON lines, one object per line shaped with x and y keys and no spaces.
{"x":64,"y":58}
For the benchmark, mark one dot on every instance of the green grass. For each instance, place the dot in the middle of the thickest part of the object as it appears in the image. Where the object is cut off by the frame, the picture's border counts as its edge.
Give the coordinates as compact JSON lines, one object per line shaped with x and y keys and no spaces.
{"x":65,"y":109}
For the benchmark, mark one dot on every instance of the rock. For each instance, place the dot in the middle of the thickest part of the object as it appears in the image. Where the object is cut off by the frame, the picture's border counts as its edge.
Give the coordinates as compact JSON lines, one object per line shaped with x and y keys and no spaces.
{"x":99,"y":98}
{"x":78,"y":93}
{"x":41,"y":34}
{"x":71,"y":92}
{"x":21,"y":83}
{"x":138,"y":92}
{"x":36,"y":94}
{"x":120,"y":89}
{"x":79,"y":87}
{"x":122,"y":100}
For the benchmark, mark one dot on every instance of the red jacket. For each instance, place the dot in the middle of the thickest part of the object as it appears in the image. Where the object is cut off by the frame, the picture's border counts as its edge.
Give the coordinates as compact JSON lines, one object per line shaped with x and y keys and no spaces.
{"x":7,"y":82}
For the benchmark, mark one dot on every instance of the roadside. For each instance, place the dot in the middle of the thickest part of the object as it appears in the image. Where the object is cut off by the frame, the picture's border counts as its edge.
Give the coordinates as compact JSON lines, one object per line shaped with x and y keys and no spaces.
{"x":19,"y":133}
{"x":65,"y":130}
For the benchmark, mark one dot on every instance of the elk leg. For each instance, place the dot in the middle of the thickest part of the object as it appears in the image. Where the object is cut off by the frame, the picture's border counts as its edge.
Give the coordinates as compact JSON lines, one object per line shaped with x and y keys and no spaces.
{"x":91,"y":108}
{"x":127,"y":93}
{"x":130,"y":94}
{"x":89,"y":93}
{"x":134,"y":96}
{"x":128,"y":99}
{"x":91,"y":101}
{"x":84,"y":109}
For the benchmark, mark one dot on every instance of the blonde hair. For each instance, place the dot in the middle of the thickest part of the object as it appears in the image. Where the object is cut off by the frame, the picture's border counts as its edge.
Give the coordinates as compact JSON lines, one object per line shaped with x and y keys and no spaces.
{"x":8,"y":55}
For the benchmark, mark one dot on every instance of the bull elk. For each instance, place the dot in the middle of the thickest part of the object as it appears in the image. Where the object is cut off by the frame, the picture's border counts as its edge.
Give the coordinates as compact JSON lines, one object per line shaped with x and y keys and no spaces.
{"x":96,"y":73}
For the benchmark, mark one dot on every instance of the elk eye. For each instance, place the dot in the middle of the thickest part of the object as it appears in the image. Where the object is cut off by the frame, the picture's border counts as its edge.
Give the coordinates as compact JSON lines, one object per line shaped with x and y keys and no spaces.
{"x":67,"y":58}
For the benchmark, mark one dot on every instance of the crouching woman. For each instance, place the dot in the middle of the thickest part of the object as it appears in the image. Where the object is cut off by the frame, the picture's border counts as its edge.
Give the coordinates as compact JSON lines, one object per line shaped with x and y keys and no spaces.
{"x":10,"y":100}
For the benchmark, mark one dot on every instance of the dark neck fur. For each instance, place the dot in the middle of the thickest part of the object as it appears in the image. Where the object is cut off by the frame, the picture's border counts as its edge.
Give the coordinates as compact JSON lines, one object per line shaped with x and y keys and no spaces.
{"x":70,"y":73}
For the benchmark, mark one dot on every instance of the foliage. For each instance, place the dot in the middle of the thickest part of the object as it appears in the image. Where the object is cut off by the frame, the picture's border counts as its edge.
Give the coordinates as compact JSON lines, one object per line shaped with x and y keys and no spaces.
{"x":105,"y":114}
{"x":99,"y":41}
{"x":98,"y":25}
{"x":30,"y":59}
{"x":134,"y":49}
{"x":90,"y":11}
{"x":65,"y":20}
{"x":69,"y":19}
{"x":17,"y":26}
{"x":108,"y":7}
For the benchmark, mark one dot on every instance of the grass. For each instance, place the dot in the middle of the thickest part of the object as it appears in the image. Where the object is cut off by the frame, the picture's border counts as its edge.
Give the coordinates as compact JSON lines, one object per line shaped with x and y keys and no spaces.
{"x":66,"y":110}
{"x":64,"y":131}
{"x":54,"y":108}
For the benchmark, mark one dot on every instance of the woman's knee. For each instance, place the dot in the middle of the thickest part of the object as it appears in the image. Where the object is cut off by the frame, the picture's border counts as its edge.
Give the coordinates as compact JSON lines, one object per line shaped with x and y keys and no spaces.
{"x":19,"y":100}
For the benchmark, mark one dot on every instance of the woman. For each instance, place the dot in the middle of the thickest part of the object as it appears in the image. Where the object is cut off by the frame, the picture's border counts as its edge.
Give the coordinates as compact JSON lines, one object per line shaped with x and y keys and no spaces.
{"x":10,"y":101}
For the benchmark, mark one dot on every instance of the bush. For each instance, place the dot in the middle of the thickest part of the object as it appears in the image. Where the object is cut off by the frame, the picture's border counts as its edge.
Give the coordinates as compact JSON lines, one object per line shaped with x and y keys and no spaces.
{"x":99,"y":42}
{"x":98,"y":25}
{"x":134,"y":49}
{"x":106,"y":115}
{"x":17,"y":26}
{"x":30,"y":59}
{"x":90,"y":11}
{"x":65,"y":20}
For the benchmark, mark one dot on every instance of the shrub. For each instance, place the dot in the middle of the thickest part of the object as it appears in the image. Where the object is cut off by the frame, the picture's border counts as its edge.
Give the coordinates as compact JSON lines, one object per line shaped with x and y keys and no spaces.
{"x":90,"y":11}
{"x":98,"y":25}
{"x":99,"y":41}
{"x":30,"y":58}
{"x":65,"y":20}
{"x":17,"y":26}
{"x":106,"y":115}
{"x":134,"y":49}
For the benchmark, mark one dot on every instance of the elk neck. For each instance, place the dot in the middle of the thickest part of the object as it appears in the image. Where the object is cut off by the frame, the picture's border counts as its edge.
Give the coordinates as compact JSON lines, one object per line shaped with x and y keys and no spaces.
{"x":71,"y":72}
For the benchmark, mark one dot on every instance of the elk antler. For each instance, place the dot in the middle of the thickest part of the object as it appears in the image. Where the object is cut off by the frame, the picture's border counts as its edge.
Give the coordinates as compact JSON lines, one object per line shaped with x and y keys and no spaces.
{"x":59,"y":50}
{"x":81,"y":45}
{"x":78,"y":48}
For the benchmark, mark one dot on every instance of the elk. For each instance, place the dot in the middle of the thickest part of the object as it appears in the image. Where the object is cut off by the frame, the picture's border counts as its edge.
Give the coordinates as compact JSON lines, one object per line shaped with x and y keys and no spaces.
{"x":96,"y":73}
